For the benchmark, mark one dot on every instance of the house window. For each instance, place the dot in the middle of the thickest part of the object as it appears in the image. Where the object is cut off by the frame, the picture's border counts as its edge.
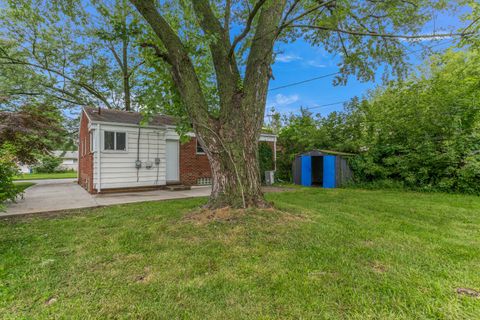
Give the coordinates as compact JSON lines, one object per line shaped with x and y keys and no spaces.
{"x":200,"y":148}
{"x":116,"y":141}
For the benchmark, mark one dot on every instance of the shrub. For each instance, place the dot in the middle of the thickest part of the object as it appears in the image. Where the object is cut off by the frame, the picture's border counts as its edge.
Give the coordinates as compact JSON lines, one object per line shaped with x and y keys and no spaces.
{"x":8,"y":169}
{"x":48,"y":164}
{"x":265,"y":156}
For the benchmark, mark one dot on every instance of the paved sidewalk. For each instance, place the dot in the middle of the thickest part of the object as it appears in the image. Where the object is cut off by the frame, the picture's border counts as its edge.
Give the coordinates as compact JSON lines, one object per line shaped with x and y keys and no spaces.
{"x":65,"y":194}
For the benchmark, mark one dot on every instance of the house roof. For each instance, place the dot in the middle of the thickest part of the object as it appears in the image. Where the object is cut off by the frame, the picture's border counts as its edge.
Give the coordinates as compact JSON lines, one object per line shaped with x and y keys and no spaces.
{"x":65,"y":154}
{"x":127,"y":117}
{"x":325,"y":152}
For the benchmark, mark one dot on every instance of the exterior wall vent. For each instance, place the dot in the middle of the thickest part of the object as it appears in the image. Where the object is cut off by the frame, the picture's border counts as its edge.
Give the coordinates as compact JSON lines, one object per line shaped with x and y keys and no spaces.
{"x":204,"y":181}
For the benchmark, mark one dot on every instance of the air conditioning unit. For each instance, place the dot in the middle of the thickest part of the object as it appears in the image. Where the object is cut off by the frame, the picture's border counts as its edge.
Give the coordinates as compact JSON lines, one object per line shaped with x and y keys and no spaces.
{"x":269,"y":177}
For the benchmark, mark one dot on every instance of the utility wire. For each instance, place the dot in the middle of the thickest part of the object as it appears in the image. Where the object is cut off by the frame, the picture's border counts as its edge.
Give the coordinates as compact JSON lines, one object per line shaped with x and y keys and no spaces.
{"x":326,"y":105}
{"x":305,"y":81}
{"x":338,"y":72}
{"x":335,"y":73}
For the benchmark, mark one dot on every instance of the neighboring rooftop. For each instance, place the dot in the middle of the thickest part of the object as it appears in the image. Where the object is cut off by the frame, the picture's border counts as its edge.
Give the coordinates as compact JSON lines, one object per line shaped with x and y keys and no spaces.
{"x":65,"y":154}
{"x":127,"y":117}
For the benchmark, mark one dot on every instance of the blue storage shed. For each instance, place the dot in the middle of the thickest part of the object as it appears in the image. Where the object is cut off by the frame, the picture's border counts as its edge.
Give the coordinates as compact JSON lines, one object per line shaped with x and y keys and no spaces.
{"x":323,"y":168}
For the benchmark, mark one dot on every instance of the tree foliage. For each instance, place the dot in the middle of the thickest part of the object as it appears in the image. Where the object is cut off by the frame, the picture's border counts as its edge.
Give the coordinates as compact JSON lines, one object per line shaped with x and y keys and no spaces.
{"x":8,"y":169}
{"x":70,"y":53}
{"x":422,"y":132}
{"x":31,"y":130}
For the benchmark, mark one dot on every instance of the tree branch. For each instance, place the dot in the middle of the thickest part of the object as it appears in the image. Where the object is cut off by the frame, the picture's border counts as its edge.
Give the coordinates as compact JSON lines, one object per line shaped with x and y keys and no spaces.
{"x":84,"y":85}
{"x":158,"y":52}
{"x":27,"y":93}
{"x":115,"y":55}
{"x":183,"y":72}
{"x":376,"y":34}
{"x":284,"y":24}
{"x":248,"y":26}
{"x":470,"y":25}
{"x":135,"y":67}
{"x":226,"y":22}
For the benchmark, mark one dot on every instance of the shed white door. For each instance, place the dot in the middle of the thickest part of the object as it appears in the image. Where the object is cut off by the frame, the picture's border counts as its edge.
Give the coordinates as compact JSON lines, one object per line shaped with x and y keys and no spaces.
{"x":172,"y":152}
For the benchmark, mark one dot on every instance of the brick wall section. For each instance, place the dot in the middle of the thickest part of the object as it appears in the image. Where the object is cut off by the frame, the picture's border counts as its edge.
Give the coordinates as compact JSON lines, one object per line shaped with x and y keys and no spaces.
{"x":85,"y":161}
{"x":192,"y":165}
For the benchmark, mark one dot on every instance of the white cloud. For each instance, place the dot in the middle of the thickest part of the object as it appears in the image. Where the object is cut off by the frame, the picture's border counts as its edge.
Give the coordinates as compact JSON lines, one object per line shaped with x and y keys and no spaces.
{"x":283,"y":100}
{"x":287,"y":58}
{"x":430,"y":36}
{"x":316,"y":64}
{"x":436,"y":38}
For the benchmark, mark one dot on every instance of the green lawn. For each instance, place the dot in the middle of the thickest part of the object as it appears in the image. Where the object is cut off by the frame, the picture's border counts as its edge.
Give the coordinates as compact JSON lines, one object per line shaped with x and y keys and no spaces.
{"x":329,"y":254}
{"x":39,"y":176}
{"x":21,"y":186}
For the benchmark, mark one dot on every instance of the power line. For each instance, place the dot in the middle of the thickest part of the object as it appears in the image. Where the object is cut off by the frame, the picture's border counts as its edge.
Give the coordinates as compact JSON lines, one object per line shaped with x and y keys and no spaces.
{"x":335,"y":73}
{"x":326,"y":105}
{"x":305,"y":81}
{"x":338,"y":72}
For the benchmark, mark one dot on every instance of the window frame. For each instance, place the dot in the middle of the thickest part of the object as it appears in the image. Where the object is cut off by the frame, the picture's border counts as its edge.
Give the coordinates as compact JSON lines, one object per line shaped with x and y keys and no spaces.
{"x":196,"y":148}
{"x":114,"y":141}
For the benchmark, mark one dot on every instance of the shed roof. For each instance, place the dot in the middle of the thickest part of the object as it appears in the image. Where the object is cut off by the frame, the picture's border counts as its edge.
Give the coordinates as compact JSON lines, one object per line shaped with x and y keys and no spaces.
{"x":127,"y":117}
{"x":325,"y":152}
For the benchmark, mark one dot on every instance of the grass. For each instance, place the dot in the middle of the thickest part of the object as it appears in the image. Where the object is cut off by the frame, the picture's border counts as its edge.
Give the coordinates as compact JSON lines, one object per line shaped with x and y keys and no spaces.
{"x":21,"y":186}
{"x":40,"y":176}
{"x":325,"y":254}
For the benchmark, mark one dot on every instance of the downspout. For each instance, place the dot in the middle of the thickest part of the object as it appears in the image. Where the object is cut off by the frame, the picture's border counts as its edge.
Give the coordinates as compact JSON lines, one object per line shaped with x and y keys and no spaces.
{"x":99,"y":159}
{"x":275,"y":154}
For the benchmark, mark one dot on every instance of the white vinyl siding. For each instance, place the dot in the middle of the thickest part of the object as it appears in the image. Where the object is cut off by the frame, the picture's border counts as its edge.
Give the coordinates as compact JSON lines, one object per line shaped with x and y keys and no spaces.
{"x":118,"y":167}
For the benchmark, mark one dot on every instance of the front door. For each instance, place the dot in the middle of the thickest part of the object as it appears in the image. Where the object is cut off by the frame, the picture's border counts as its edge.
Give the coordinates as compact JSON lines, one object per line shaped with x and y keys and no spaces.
{"x":172,"y":152}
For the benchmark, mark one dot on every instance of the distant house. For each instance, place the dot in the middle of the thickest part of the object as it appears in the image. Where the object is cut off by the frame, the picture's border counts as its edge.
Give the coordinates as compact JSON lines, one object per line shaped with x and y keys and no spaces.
{"x":117,"y":153}
{"x":69,"y":162}
{"x":69,"y":159}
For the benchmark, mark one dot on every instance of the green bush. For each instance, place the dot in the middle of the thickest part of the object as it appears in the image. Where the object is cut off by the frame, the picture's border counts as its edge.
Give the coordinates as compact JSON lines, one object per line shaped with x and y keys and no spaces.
{"x":8,"y":170}
{"x":265,"y":156}
{"x":48,"y":164}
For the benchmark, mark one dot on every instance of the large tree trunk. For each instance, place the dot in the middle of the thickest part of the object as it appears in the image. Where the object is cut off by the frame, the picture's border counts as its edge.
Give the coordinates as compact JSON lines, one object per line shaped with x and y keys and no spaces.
{"x":233,"y":156}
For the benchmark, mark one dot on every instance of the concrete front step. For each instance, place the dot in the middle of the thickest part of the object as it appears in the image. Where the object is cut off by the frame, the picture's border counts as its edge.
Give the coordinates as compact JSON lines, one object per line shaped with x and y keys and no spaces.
{"x":178,"y":187}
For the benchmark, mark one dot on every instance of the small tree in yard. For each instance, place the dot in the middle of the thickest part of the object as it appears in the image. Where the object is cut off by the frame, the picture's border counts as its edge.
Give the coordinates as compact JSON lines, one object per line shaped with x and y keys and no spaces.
{"x":191,"y":36}
{"x":25,"y":133}
{"x":7,"y":170}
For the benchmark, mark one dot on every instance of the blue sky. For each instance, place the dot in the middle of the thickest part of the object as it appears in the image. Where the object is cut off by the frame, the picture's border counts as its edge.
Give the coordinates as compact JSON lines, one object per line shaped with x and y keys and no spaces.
{"x":300,"y":61}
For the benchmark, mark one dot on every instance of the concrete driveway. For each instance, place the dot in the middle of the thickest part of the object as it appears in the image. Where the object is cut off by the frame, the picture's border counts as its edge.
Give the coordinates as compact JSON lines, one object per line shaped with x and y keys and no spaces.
{"x":64,"y":194}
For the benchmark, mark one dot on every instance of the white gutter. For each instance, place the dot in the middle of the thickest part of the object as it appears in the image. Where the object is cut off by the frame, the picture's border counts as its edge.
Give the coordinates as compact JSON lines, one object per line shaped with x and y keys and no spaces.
{"x":275,"y":154}
{"x":99,"y":159}
{"x":161,"y":127}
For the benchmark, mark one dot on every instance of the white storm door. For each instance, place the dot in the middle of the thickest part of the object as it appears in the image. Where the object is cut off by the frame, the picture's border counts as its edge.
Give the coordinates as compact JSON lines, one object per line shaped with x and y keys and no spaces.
{"x":172,"y":152}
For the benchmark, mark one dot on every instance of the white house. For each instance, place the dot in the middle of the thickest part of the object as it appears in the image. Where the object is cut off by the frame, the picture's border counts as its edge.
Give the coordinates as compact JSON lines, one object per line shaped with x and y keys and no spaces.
{"x":116,"y":152}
